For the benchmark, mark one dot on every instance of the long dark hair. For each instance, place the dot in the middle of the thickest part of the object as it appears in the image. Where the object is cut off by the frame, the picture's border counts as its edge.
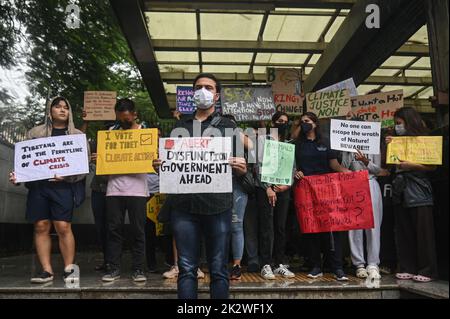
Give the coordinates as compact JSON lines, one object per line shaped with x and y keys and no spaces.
{"x":414,"y":124}
{"x":313,"y":117}
{"x":277,"y":115}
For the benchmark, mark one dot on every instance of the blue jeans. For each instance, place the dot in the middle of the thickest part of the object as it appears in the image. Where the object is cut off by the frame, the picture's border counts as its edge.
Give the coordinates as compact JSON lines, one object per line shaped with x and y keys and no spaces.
{"x":237,"y":221}
{"x":188,"y":230}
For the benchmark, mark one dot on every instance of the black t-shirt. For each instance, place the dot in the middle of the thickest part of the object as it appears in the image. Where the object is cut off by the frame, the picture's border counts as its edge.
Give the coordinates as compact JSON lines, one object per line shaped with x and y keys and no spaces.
{"x":59,"y":131}
{"x":312,"y":158}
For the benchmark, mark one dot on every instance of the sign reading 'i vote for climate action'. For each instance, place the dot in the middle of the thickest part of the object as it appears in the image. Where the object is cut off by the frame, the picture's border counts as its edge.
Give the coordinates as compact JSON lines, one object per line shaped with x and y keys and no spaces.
{"x":126,"y":151}
{"x":43,"y":158}
{"x":329,"y":104}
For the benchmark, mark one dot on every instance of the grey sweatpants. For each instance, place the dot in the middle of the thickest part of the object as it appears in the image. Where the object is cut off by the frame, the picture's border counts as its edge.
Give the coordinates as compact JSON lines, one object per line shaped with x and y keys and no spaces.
{"x":356,"y":237}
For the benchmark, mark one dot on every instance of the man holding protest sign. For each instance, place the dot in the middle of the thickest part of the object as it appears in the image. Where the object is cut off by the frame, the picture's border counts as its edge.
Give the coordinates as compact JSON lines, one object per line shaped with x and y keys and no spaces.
{"x":195,"y":215}
{"x":125,"y":192}
{"x":53,"y":201}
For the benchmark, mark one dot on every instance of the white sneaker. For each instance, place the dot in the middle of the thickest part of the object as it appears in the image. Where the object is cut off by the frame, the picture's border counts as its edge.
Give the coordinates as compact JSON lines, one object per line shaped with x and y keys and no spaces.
{"x":172,"y":273}
{"x":266,"y":272}
{"x":373,"y":272}
{"x":200,"y":273}
{"x":361,"y":272}
{"x":284,"y":271}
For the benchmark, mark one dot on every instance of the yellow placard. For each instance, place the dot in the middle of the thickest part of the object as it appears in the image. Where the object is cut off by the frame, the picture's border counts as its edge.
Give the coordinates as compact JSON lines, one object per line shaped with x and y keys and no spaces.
{"x":415,"y":149}
{"x":153,"y":207}
{"x":126,"y":151}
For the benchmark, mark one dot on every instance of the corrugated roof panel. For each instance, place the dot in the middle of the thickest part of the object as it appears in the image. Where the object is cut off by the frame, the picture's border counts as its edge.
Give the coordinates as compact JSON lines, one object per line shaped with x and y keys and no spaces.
{"x":170,"y":25}
{"x":229,"y":26}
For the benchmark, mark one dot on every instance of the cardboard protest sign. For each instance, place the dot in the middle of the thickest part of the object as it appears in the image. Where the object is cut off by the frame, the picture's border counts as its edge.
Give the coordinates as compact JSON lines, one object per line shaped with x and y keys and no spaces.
{"x":153,"y":207}
{"x":99,"y":105}
{"x":334,"y":202}
{"x":425,"y":150}
{"x":126,"y":151}
{"x":195,"y":165}
{"x":329,"y":104}
{"x":378,"y":107}
{"x":43,"y":158}
{"x":248,"y":103}
{"x":350,"y":136}
{"x":286,"y":89}
{"x":348,"y":84}
{"x":185,"y":99}
{"x":278,"y":161}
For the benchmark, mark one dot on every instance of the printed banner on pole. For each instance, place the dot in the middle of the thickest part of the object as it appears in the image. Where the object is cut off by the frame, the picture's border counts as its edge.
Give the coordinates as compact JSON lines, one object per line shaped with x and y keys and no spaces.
{"x":348,"y":84}
{"x":195,"y":165}
{"x":99,"y":105}
{"x":153,"y":207}
{"x":43,"y":158}
{"x":278,"y":162}
{"x":126,"y":151}
{"x":329,"y":104}
{"x":334,"y":202}
{"x":378,"y":107}
{"x":350,"y":136}
{"x":286,"y":89}
{"x":425,"y":150}
{"x":248,"y":103}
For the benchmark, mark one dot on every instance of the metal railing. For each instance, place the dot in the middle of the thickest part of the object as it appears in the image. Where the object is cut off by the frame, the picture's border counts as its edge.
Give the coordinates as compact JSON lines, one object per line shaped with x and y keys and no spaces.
{"x":12,"y":133}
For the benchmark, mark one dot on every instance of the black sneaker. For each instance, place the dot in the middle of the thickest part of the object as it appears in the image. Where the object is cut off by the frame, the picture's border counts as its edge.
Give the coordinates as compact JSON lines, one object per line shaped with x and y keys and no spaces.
{"x":111,"y":275}
{"x":235,"y":272}
{"x":138,"y":276}
{"x":316,"y":272}
{"x":339,"y":274}
{"x":42,"y":278}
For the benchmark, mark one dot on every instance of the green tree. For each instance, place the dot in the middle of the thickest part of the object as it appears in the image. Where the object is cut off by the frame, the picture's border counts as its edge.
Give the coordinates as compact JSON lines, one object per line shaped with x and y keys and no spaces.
{"x":65,"y":61}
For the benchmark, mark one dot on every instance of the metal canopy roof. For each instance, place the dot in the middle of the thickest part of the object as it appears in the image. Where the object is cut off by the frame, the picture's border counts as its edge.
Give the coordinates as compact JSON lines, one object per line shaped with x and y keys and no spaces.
{"x":238,"y":40}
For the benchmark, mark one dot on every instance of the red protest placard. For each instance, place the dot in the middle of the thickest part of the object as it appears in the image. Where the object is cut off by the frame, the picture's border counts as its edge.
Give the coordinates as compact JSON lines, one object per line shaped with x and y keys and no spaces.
{"x":334,"y":202}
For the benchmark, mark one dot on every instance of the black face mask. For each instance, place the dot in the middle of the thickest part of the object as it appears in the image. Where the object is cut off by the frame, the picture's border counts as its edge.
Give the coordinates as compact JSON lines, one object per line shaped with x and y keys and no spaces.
{"x":282,"y":128}
{"x":306,"y":127}
{"x":126,"y":125}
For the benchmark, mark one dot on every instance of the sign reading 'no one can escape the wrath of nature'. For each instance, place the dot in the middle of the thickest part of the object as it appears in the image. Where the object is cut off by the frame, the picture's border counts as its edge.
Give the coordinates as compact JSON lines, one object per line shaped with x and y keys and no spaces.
{"x":126,"y":151}
{"x":193,"y":165}
{"x":350,"y":136}
{"x":329,"y":104}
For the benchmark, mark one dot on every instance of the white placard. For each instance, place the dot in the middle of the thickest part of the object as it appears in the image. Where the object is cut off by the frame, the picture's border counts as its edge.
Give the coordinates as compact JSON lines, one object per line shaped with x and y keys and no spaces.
{"x":43,"y":158}
{"x":195,"y":165}
{"x":348,"y":84}
{"x":350,"y":136}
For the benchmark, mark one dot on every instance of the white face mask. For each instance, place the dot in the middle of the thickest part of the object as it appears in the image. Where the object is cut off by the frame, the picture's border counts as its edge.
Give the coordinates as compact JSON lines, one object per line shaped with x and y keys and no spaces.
{"x":203,"y":99}
{"x":400,"y":129}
